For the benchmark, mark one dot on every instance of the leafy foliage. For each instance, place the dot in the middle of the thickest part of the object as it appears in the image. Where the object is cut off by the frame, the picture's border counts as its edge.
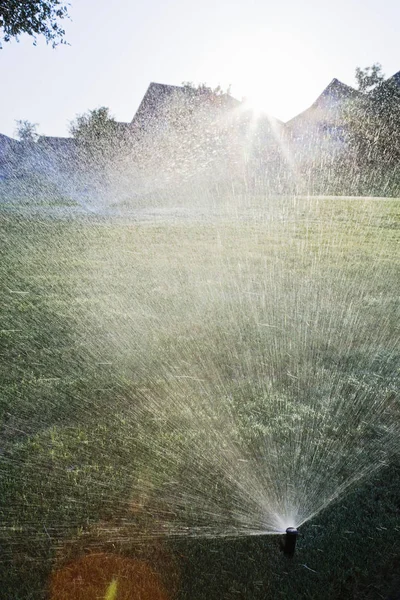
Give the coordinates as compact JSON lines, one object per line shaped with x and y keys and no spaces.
{"x":364,"y":141}
{"x":34,"y":17}
{"x":96,"y":134}
{"x":370,"y":77}
{"x":93,"y":126}
{"x":203,"y":88}
{"x":26,"y":131}
{"x":373,"y":123}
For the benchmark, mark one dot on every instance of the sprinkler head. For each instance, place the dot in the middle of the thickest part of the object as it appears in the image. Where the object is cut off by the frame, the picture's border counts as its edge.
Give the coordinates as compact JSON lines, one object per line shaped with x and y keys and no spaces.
{"x":289,"y":543}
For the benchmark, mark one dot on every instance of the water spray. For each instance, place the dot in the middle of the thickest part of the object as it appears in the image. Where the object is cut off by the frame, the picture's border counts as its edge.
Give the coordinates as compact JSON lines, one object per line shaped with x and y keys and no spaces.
{"x":289,"y":542}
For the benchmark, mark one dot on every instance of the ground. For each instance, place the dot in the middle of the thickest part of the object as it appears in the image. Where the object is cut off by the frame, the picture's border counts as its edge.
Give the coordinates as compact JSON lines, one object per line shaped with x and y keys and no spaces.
{"x":92,"y":308}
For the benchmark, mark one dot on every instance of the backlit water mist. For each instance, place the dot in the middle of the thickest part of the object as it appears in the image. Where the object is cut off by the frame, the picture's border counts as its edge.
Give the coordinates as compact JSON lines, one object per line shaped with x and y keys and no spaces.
{"x":216,"y":358}
{"x":262,"y":358}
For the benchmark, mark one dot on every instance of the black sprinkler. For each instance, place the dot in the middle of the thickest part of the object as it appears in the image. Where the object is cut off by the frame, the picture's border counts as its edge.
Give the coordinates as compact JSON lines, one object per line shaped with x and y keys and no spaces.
{"x":289,"y":542}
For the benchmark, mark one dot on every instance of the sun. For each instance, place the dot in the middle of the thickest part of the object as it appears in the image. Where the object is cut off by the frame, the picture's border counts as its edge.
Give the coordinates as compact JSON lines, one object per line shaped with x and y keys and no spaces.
{"x":257,"y":105}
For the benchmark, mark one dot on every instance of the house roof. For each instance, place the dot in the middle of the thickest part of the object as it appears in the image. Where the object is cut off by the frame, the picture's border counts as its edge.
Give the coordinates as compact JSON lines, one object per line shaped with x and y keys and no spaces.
{"x":394,"y":79}
{"x":335,"y":93}
{"x":7,"y":139}
{"x":159,"y":95}
{"x":326,"y":107}
{"x":56,"y":143}
{"x":7,"y":145}
{"x":7,"y":142}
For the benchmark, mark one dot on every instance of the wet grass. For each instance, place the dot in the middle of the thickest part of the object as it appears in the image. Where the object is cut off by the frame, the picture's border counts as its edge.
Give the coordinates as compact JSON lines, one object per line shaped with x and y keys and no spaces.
{"x":81,"y":302}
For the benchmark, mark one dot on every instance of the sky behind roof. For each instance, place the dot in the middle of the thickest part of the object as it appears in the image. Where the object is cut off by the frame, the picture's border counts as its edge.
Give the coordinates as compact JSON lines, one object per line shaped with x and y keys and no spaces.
{"x":281,"y":54}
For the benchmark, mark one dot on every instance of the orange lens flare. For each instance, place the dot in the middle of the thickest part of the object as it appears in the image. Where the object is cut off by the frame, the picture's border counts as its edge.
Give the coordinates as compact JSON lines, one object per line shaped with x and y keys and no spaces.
{"x":108,"y":577}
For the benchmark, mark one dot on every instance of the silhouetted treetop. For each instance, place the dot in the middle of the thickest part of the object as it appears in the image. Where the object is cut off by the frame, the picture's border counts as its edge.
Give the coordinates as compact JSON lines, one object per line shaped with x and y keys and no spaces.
{"x":34,"y":17}
{"x":26,"y":131}
{"x":368,"y":78}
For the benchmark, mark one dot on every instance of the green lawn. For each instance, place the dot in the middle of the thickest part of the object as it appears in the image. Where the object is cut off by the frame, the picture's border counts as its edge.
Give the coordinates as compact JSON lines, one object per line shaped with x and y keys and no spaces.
{"x":135,"y":354}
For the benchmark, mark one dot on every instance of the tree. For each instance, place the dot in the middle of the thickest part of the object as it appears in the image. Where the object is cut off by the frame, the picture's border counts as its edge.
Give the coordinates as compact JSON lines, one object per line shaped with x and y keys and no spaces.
{"x":26,"y":131}
{"x":373,"y":137}
{"x":368,"y":78}
{"x":203,"y":88}
{"x":95,"y":127}
{"x":98,"y":142}
{"x":34,"y":17}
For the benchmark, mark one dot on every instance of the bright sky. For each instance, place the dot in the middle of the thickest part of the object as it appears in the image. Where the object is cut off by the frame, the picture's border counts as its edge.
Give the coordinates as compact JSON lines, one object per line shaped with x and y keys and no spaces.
{"x":281,"y":54}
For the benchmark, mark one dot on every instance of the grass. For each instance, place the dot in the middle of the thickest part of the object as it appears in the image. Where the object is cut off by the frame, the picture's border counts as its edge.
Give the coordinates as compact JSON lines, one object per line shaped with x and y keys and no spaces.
{"x":91,"y":310}
{"x":32,"y":190}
